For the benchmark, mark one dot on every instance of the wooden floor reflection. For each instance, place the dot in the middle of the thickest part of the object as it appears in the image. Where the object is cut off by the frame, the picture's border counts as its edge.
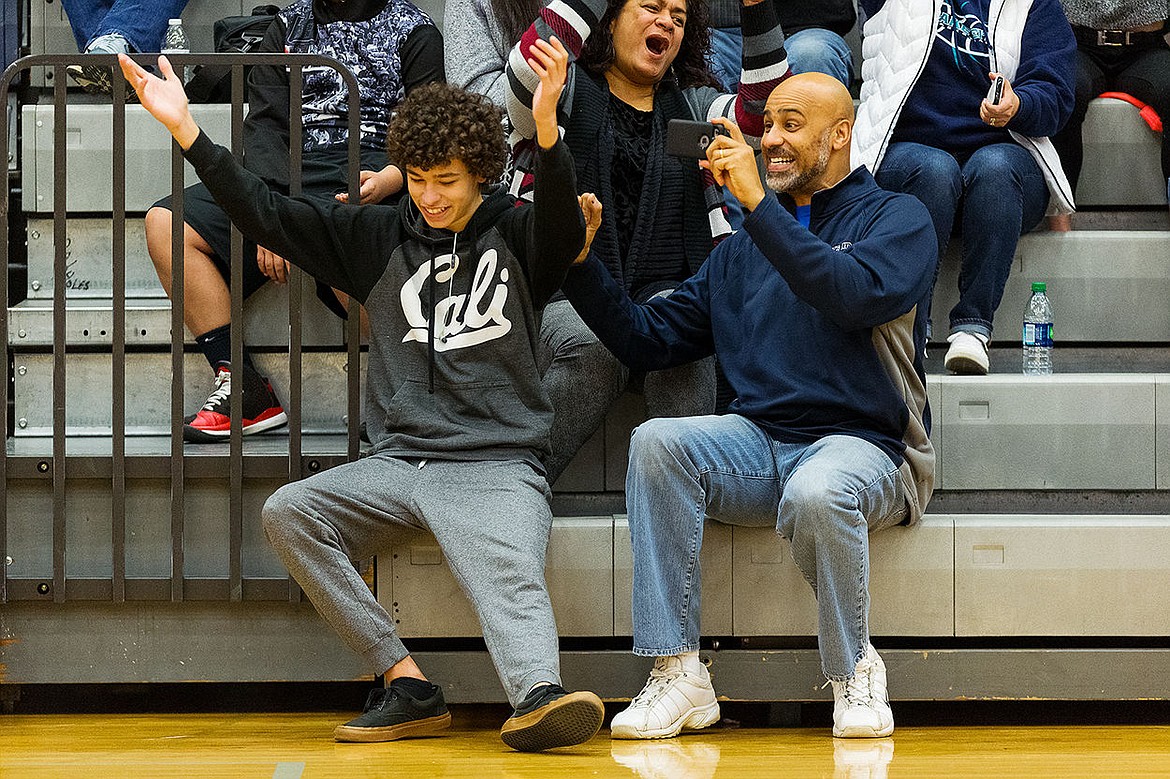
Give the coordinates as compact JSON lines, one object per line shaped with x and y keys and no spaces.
{"x":291,"y":746}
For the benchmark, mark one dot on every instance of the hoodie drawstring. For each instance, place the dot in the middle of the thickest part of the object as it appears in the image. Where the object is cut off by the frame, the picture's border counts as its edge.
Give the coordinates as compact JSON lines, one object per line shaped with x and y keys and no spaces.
{"x":431,"y":314}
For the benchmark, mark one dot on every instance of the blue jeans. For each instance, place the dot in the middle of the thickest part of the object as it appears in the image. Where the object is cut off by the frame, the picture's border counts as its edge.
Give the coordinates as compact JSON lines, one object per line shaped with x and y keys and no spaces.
{"x":140,"y":22}
{"x":813,"y":50}
{"x":824,"y":497}
{"x":1001,"y":193}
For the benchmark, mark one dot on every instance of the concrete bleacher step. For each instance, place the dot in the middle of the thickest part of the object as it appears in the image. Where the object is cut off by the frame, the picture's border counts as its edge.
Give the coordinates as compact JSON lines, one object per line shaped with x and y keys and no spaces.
{"x":1122,"y":154}
{"x":974,"y":575}
{"x":1067,"y":432}
{"x":89,"y":322}
{"x":148,"y":391}
{"x":89,"y":156}
{"x":1105,"y":285}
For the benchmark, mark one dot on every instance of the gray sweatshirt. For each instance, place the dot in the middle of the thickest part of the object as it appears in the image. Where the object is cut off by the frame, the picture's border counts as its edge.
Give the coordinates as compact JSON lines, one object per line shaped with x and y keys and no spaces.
{"x":454,"y":318}
{"x":1115,"y":14}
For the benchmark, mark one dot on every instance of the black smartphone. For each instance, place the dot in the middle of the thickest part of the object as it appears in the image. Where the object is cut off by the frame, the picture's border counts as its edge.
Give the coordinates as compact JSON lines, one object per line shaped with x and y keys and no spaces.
{"x":685,"y":138}
{"x":996,"y":92}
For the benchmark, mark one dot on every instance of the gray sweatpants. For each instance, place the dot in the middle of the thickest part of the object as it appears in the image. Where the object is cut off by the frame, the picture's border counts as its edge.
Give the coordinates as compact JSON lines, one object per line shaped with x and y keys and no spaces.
{"x":491,"y":519}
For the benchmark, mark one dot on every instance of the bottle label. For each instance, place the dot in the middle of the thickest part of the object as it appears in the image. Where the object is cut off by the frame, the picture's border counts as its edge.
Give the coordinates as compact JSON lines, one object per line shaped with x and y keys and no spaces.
{"x":1038,"y":334}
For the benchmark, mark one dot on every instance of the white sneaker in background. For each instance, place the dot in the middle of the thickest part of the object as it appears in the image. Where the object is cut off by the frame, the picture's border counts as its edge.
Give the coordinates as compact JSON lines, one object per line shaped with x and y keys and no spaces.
{"x":967,"y":355}
{"x":673,"y":700}
{"x":861,"y":707}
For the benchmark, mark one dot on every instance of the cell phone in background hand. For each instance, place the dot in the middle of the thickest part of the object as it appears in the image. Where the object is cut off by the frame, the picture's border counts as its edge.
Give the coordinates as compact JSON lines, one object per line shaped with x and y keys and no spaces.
{"x":995,"y":94}
{"x":685,"y":138}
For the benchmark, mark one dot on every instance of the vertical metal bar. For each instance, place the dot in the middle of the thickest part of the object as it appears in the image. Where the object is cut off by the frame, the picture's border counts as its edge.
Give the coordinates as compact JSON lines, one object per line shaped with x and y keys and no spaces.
{"x":177,"y":335}
{"x":353,"y":322}
{"x":4,"y":151}
{"x":236,"y":434}
{"x":118,"y":355}
{"x":59,"y":269}
{"x":295,"y":302}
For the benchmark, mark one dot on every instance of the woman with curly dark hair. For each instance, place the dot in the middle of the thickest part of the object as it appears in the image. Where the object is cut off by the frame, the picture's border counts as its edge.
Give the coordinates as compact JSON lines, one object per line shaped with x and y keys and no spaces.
{"x":453,"y":282}
{"x":641,"y":63}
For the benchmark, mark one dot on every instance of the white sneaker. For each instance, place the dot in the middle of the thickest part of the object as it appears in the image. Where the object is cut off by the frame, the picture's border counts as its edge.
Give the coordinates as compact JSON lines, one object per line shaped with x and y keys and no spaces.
{"x":673,"y":700}
{"x":967,"y":355}
{"x":861,"y":707}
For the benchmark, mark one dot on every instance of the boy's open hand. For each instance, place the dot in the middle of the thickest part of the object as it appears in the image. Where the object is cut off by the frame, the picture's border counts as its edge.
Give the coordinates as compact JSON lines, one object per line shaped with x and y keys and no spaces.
{"x":164,"y":98}
{"x":550,"y":61}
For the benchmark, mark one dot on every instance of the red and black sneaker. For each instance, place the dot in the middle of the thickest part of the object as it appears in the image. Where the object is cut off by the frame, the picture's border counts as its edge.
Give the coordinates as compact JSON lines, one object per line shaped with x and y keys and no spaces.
{"x":262,"y":411}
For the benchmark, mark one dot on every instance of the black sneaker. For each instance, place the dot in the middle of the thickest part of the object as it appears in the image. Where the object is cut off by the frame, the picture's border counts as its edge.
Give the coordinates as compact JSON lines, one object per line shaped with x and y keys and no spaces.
{"x":551,"y":717}
{"x":262,"y":411}
{"x":97,"y":79}
{"x":392,"y":713}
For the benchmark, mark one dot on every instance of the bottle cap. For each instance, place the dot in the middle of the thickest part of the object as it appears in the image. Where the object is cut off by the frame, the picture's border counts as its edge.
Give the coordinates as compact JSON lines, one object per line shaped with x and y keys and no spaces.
{"x":1039,"y":286}
{"x":174,"y":21}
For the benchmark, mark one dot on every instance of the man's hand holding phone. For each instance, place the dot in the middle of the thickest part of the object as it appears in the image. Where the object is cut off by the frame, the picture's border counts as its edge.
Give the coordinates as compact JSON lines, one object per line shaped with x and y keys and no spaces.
{"x":1001,"y":103}
{"x":733,"y":163}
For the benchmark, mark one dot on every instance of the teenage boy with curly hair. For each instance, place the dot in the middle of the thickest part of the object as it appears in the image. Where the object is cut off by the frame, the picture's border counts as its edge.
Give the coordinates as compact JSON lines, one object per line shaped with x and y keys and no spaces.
{"x":453,"y":281}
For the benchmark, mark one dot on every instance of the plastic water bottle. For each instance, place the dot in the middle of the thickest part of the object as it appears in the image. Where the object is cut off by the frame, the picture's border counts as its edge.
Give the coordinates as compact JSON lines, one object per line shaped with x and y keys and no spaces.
{"x":175,"y":42}
{"x":1038,"y":332}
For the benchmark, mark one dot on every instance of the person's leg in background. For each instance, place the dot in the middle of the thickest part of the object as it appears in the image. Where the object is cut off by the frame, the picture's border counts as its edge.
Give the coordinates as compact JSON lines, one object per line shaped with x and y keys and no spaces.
{"x":816,"y":50}
{"x":140,"y":23}
{"x":1069,"y":143}
{"x":1004,"y":196}
{"x":933,"y":176}
{"x":581,"y":378}
{"x":207,"y":311}
{"x":118,"y":27}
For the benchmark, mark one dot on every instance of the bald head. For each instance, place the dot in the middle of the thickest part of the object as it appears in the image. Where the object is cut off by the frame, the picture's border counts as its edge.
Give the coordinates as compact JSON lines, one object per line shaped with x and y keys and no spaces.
{"x":822,"y":94}
{"x":808,"y":126}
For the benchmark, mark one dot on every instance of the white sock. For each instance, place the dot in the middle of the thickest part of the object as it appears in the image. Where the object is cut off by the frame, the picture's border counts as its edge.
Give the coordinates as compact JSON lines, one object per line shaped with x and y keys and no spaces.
{"x":691,"y":663}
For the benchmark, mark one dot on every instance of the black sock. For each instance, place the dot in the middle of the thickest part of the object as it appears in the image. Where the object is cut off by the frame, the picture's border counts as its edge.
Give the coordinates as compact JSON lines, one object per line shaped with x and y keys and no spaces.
{"x":418,"y":688}
{"x":216,"y":346}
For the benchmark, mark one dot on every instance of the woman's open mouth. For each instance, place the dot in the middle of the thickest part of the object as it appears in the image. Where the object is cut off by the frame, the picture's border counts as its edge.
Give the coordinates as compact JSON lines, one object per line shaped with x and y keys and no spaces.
{"x":657,"y":44}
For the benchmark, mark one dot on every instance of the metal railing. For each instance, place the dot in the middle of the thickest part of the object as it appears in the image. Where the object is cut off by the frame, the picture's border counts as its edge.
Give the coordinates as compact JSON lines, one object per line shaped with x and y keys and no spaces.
{"x":57,"y":465}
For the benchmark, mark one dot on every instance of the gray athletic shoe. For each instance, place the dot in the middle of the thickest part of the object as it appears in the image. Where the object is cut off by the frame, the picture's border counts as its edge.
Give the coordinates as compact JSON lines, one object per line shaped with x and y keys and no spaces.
{"x":98,"y":79}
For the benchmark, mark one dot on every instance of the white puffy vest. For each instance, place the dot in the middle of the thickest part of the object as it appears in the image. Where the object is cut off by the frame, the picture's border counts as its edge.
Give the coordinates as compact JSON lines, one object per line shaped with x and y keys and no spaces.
{"x":896,"y":44}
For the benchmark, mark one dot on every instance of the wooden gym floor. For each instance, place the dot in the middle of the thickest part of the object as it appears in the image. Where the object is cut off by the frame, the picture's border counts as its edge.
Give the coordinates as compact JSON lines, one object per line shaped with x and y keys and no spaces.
{"x":295,"y":745}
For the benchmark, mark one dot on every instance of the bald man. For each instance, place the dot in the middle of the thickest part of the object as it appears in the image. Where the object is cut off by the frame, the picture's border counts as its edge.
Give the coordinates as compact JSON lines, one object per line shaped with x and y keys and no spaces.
{"x":812,"y":309}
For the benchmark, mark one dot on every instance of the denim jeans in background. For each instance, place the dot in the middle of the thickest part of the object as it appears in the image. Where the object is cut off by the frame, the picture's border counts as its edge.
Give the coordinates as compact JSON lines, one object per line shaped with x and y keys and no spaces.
{"x":141,"y":22}
{"x":997,"y":194}
{"x":813,"y":50}
{"x":824,"y":497}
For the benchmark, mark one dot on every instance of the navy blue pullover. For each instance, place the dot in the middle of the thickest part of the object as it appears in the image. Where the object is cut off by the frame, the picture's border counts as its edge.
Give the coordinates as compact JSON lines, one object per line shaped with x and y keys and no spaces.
{"x":794,"y":316}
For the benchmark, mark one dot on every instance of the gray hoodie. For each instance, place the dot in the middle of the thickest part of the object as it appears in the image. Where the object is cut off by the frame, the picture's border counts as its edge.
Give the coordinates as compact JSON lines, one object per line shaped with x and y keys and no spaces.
{"x":462,"y":384}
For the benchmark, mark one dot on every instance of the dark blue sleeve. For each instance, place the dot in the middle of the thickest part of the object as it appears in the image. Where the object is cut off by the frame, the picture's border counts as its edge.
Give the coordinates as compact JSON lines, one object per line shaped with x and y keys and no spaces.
{"x":871,"y":7}
{"x":878,"y":279}
{"x":661,"y":333}
{"x":1046,"y":79}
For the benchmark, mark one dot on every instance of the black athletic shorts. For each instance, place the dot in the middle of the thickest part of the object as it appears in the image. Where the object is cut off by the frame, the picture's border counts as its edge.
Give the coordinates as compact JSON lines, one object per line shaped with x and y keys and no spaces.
{"x":323,"y":175}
